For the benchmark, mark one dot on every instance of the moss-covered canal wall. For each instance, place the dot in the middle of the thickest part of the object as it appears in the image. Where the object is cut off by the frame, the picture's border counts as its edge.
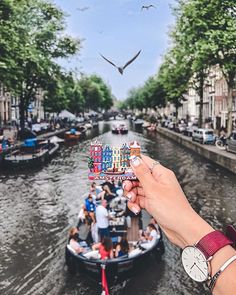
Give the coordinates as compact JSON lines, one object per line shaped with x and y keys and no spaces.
{"x":222,"y":158}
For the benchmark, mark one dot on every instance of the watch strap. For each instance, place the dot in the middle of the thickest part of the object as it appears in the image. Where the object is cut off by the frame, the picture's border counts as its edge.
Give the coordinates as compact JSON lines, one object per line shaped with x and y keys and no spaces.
{"x":213,"y":242}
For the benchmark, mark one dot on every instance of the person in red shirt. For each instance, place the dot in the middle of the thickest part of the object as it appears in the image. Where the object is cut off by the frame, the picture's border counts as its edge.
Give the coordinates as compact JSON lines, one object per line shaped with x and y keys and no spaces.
{"x":105,"y":248}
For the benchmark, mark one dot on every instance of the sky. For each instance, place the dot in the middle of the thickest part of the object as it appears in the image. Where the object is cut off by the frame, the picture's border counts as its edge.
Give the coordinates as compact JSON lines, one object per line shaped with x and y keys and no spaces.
{"x":118,"y":29}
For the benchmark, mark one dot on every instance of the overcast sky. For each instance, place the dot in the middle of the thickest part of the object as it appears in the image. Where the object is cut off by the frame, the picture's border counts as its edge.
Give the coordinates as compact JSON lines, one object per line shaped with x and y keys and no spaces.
{"x":118,"y":29}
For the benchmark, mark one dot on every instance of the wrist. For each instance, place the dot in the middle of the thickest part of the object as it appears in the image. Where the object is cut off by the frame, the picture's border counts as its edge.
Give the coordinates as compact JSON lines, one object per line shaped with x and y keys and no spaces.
{"x":196,"y":229}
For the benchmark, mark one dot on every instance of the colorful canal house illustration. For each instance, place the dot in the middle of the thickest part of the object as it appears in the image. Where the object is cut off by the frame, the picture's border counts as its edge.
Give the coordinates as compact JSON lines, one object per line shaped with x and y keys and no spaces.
{"x":124,"y":156}
{"x":106,"y":158}
{"x":135,"y":149}
{"x":96,"y":157}
{"x":107,"y":162}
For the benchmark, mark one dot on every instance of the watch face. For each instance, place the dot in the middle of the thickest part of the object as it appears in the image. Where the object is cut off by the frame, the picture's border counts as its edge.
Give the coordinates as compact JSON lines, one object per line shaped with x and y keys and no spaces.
{"x":195,"y":264}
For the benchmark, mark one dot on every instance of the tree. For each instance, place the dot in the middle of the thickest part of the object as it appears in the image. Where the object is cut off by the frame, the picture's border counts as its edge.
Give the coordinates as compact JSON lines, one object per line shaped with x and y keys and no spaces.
{"x":174,"y":75}
{"x":95,"y":92}
{"x":206,"y":30}
{"x":32,"y":40}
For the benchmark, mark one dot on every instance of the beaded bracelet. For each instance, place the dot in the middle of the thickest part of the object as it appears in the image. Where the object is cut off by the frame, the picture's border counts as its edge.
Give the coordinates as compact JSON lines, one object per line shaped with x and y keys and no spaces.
{"x":216,"y":275}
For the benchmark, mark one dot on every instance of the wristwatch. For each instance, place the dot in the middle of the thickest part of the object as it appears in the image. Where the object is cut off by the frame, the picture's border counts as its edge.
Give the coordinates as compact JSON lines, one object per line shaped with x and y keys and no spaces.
{"x":196,"y":258}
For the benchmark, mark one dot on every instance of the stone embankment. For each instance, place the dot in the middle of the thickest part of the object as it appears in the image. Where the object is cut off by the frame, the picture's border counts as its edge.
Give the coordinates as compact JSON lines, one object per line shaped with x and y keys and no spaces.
{"x":210,"y":152}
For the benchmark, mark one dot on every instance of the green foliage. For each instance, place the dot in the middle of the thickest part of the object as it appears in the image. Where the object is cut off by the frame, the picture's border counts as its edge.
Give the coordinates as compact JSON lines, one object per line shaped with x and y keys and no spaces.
{"x":30,"y":40}
{"x":206,"y":32}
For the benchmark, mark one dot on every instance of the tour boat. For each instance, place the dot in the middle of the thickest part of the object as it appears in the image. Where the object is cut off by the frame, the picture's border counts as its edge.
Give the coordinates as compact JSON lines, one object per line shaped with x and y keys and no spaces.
{"x":119,"y":129}
{"x":116,"y":269}
{"x":32,"y":153}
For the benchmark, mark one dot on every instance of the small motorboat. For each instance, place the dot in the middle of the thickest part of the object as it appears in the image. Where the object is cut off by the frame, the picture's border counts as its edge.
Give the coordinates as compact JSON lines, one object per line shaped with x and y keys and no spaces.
{"x":32,"y":153}
{"x":121,"y":268}
{"x":72,"y":135}
{"x":119,"y":129}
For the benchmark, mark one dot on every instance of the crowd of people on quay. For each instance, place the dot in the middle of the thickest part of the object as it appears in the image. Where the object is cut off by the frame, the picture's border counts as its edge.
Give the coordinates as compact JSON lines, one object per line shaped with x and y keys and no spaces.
{"x":93,"y":232}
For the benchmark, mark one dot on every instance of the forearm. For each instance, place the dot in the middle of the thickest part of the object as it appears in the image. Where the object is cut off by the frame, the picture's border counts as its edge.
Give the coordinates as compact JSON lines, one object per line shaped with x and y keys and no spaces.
{"x":226,"y":282}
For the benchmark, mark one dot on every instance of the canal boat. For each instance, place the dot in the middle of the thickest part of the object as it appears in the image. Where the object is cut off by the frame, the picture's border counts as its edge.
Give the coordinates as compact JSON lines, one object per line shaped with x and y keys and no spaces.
{"x":72,"y":135}
{"x":117,"y":269}
{"x":119,"y":129}
{"x":32,"y":153}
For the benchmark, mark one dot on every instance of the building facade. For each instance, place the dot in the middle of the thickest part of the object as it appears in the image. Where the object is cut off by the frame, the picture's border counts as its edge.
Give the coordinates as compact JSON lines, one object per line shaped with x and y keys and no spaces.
{"x":96,"y":155}
{"x":5,"y":106}
{"x":135,"y":149}
{"x":124,"y":156}
{"x":106,"y":158}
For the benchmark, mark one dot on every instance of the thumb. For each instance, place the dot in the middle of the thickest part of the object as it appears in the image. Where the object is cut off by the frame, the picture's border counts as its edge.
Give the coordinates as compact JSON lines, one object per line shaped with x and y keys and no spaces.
{"x":143,"y":173}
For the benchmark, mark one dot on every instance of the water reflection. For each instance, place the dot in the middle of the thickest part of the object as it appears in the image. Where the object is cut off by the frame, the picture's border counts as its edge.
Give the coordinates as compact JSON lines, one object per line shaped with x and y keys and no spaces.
{"x":38,"y":207}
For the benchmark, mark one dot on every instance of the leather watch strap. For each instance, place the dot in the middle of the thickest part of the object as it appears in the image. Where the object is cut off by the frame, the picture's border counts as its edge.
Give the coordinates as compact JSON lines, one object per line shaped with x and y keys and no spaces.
{"x":213,"y":242}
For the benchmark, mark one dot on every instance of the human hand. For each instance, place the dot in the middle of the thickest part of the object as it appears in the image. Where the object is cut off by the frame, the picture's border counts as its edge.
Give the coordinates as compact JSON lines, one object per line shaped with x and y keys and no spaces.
{"x":158,"y":191}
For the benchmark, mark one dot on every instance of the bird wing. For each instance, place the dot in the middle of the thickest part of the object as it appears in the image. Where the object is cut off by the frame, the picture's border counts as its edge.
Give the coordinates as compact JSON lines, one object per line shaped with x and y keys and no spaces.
{"x":108,"y":60}
{"x":152,"y":6}
{"x":130,"y":61}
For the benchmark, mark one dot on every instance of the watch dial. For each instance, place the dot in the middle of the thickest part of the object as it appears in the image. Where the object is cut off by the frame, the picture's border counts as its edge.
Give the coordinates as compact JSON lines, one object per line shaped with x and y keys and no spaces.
{"x":195,"y":264}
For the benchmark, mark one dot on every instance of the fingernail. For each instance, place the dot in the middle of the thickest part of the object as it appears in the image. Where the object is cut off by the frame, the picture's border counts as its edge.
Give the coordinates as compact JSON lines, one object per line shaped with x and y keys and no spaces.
{"x":135,"y":161}
{"x":123,"y":185}
{"x":129,"y":196}
{"x":135,"y":210}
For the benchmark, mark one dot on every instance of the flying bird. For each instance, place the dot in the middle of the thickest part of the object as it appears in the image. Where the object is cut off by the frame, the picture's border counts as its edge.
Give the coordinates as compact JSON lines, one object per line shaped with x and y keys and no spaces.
{"x":83,"y":8}
{"x":148,"y":6}
{"x":121,"y":69}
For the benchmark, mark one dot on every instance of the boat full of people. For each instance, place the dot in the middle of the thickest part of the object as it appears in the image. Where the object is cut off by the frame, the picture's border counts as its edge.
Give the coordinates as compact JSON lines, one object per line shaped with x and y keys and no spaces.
{"x":119,"y":129}
{"x":110,"y":237}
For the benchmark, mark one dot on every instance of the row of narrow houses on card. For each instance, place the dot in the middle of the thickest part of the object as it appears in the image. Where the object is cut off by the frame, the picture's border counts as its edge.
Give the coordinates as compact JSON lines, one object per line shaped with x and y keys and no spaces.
{"x":107,"y":157}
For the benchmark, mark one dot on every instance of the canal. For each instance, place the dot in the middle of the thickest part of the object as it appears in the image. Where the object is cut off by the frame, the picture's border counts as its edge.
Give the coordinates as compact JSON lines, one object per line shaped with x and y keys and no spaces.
{"x":38,"y":207}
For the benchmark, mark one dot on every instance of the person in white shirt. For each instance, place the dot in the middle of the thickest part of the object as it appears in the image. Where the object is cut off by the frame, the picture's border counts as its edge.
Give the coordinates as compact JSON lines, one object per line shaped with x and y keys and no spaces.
{"x":73,"y":240}
{"x":102,"y":218}
{"x":150,"y":236}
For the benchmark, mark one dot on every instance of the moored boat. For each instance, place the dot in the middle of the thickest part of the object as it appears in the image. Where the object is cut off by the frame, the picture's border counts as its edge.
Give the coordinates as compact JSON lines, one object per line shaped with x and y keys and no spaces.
{"x":32,"y":153}
{"x":72,"y":135}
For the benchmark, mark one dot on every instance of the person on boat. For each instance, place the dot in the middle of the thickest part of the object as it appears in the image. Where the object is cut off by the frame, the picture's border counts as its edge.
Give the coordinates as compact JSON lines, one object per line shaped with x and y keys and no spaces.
{"x":102,"y":218}
{"x":82,"y":214}
{"x":95,"y":190}
{"x":106,"y":194}
{"x":150,"y":236}
{"x":105,"y":248}
{"x":122,"y":247}
{"x":90,"y":207}
{"x":73,"y":240}
{"x":159,"y":192}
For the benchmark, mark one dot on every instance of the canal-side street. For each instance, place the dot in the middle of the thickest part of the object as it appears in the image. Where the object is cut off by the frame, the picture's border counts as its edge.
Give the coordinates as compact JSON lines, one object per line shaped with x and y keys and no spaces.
{"x":39,"y":206}
{"x":223,"y":158}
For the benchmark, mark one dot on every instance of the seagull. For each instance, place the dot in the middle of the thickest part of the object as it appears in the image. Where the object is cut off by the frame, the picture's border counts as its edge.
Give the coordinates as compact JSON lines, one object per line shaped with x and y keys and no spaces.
{"x":121,"y":69}
{"x":147,"y":6}
{"x":83,"y":8}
